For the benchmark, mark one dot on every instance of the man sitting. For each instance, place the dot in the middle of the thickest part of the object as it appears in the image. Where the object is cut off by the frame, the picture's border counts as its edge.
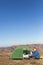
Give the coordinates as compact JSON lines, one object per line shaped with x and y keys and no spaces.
{"x":35,"y":54}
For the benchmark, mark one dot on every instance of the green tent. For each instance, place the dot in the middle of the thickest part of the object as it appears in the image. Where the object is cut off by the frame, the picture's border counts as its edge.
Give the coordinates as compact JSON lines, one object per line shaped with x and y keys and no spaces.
{"x":18,"y":52}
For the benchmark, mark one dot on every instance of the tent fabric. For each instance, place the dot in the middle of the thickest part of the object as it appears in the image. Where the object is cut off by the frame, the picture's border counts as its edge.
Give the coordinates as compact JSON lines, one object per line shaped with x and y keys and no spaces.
{"x":18,"y":52}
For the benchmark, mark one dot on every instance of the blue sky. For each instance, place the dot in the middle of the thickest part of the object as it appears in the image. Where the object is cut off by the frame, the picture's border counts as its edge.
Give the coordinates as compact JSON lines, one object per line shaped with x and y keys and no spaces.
{"x":21,"y":21}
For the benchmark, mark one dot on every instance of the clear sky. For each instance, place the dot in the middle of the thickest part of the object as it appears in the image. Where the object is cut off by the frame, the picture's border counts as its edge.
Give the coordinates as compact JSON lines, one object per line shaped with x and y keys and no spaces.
{"x":21,"y":21}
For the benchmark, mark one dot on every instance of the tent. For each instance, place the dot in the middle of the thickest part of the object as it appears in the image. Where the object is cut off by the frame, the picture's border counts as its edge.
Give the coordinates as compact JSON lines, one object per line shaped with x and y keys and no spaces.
{"x":21,"y":52}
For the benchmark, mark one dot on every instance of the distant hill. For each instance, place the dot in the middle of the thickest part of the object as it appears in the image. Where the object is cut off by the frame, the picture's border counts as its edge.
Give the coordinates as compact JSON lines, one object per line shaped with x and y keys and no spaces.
{"x":10,"y":49}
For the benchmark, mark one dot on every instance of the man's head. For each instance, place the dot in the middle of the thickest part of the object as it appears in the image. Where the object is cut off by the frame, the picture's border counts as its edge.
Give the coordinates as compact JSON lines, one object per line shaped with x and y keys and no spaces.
{"x":34,"y":49}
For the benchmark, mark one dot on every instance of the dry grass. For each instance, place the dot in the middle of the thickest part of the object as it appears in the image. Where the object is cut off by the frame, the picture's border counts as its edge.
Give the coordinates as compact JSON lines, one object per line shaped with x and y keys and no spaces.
{"x":4,"y":60}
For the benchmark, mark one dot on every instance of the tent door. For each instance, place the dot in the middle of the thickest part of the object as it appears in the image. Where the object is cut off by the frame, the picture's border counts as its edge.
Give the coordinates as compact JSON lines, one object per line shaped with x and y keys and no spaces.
{"x":26,"y":53}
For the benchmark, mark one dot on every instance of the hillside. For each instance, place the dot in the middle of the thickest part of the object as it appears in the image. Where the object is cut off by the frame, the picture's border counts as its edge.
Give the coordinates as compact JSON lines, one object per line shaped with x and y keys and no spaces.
{"x":10,"y":49}
{"x":5,"y":53}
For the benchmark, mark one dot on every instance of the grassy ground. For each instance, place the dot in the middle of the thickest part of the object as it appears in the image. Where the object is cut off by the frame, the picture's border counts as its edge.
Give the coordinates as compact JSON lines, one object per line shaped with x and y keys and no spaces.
{"x":4,"y":60}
